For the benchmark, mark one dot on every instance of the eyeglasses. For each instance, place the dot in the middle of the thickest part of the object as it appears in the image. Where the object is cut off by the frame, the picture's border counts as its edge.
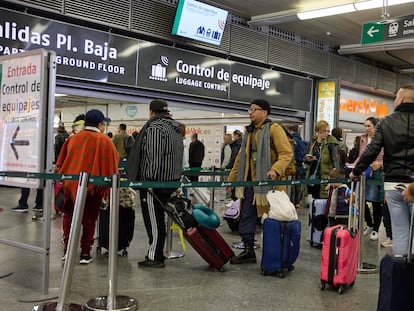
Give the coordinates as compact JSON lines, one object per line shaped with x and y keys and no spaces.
{"x":253,"y":109}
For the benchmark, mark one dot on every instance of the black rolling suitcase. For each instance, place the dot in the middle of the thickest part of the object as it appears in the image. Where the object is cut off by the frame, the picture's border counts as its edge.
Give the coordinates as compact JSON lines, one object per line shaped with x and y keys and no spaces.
{"x":396,"y":280}
{"x":126,"y":224}
{"x":126,"y":229}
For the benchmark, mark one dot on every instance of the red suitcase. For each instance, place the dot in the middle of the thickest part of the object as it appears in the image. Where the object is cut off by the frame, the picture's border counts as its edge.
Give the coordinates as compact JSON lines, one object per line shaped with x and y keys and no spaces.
{"x":210,"y":245}
{"x":339,"y":262}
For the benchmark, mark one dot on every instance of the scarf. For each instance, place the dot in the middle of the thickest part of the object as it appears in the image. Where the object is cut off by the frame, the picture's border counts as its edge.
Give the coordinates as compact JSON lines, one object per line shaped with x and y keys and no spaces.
{"x":262,"y":158}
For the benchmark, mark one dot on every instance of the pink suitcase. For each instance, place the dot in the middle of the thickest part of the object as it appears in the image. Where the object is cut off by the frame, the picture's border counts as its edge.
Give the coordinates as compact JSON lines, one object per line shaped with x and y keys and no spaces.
{"x":339,"y":262}
{"x":339,"y":257}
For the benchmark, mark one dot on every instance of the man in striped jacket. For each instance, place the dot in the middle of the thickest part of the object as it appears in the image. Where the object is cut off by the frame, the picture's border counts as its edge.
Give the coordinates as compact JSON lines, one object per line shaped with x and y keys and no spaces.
{"x":156,"y":156}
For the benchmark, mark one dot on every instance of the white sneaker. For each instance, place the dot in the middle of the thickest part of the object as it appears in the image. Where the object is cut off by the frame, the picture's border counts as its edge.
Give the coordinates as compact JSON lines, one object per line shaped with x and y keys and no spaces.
{"x":373,"y":236}
{"x":368,"y":230}
{"x":387,"y":243}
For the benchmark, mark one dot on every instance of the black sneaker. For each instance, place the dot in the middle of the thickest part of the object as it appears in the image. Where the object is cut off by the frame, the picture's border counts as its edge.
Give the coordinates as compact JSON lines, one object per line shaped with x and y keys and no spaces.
{"x":20,"y":209}
{"x":38,"y":209}
{"x":85,"y":259}
{"x":151,"y":264}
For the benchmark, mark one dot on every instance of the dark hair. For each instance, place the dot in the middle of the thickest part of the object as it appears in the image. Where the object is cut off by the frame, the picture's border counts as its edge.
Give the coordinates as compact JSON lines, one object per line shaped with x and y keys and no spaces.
{"x":357,"y":141}
{"x":195,"y":135}
{"x":337,"y":133}
{"x":373,"y":120}
{"x":82,"y":116}
{"x":122,"y":126}
{"x":294,"y":128}
{"x":337,"y":173}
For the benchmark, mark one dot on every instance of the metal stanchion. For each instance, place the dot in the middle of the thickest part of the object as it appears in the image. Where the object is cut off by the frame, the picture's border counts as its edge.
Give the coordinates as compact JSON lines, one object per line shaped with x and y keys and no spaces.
{"x":170,"y":254}
{"x":363,"y":267}
{"x":212,"y":194}
{"x":113,"y":301}
{"x":66,"y":281}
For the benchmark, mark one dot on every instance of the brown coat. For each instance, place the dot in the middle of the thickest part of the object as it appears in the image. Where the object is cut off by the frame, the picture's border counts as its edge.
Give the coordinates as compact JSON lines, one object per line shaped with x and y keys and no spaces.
{"x":281,"y":154}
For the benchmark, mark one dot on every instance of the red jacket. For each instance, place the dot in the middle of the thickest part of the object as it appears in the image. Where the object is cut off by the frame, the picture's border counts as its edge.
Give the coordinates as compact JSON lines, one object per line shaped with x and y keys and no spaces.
{"x":88,"y":151}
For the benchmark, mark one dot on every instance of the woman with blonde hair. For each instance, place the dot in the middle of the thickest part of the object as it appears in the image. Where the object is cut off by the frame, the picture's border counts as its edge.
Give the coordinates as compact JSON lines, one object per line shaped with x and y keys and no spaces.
{"x":322,"y":157}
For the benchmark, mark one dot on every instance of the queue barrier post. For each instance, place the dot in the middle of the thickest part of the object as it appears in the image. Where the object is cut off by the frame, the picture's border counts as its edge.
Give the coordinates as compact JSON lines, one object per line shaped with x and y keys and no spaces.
{"x":113,"y":301}
{"x":363,"y":267}
{"x":66,"y":281}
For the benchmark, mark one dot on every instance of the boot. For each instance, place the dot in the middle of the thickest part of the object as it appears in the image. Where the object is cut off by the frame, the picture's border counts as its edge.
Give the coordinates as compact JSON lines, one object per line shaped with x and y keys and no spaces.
{"x":246,"y":256}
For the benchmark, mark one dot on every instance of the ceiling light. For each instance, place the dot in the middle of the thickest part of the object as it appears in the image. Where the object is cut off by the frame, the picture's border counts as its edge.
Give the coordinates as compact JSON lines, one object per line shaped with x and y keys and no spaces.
{"x":335,"y":10}
{"x":348,"y":8}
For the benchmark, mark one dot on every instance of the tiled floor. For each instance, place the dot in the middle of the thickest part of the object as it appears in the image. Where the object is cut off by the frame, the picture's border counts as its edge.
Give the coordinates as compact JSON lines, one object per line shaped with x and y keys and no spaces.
{"x":184,"y":284}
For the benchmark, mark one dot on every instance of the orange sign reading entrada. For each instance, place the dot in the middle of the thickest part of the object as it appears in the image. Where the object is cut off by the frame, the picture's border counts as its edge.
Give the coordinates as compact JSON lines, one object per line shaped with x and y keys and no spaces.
{"x":365,"y":106}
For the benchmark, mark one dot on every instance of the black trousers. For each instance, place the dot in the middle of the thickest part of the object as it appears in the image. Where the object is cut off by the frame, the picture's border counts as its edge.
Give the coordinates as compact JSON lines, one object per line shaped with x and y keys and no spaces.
{"x":154,"y":220}
{"x":25,"y":192}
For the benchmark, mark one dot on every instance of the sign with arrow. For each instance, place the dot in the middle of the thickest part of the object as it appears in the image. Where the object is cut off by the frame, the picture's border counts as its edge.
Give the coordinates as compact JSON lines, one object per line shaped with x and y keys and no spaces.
{"x":23,"y":115}
{"x":393,"y":29}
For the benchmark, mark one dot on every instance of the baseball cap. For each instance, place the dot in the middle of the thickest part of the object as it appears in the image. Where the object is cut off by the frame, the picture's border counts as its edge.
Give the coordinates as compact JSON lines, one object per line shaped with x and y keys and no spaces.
{"x":159,"y":105}
{"x":95,"y":116}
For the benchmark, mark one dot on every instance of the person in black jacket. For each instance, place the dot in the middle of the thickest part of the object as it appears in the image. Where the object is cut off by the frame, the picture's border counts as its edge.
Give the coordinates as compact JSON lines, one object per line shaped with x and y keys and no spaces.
{"x":195,"y":154}
{"x":396,"y":134}
{"x":157,"y":155}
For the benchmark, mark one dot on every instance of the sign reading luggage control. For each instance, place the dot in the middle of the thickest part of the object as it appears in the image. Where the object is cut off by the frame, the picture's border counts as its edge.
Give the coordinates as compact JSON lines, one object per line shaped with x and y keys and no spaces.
{"x":399,"y":28}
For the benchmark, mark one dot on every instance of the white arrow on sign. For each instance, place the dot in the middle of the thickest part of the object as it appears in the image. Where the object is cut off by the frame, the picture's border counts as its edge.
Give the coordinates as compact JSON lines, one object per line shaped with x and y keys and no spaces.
{"x":371,"y":31}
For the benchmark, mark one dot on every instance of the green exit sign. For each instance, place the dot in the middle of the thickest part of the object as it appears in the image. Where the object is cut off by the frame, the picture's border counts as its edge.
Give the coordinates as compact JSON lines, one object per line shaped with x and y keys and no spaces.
{"x":372,"y":32}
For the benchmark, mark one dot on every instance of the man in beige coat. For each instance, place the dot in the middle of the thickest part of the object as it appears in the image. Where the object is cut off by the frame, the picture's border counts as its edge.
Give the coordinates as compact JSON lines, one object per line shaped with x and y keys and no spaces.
{"x":265,"y":154}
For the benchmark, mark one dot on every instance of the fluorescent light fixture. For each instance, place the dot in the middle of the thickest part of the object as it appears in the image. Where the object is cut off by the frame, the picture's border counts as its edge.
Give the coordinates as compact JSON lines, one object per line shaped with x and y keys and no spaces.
{"x":335,"y":10}
{"x":348,"y":8}
{"x":375,"y":47}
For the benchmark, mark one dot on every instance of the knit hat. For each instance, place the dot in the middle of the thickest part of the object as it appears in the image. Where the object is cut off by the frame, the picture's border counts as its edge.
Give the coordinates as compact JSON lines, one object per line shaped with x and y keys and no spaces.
{"x":159,"y":105}
{"x":262,"y":103}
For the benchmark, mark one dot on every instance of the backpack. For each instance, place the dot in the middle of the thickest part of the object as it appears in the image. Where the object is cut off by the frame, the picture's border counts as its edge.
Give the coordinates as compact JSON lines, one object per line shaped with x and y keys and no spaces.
{"x":291,"y":169}
{"x":128,"y":143}
{"x":301,"y":149}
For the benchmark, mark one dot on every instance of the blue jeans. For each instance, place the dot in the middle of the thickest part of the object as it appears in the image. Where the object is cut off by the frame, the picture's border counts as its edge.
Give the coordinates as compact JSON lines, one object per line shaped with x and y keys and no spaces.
{"x":400,"y":220}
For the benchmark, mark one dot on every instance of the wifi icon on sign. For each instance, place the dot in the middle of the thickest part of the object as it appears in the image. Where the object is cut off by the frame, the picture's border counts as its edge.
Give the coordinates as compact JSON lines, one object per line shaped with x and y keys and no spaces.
{"x":164,"y":60}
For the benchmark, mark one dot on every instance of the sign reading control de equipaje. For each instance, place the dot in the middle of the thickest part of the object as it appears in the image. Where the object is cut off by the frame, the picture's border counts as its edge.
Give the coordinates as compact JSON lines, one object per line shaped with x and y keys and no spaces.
{"x":393,"y":29}
{"x":23,"y":104}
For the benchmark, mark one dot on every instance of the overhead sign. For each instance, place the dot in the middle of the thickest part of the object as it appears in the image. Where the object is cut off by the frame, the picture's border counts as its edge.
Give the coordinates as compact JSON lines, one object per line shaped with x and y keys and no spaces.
{"x":173,"y":70}
{"x":80,"y":52}
{"x":393,"y":29}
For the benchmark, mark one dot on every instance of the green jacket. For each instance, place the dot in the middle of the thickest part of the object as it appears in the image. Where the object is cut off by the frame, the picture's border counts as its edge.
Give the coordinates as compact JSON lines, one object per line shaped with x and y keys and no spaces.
{"x":329,"y":160}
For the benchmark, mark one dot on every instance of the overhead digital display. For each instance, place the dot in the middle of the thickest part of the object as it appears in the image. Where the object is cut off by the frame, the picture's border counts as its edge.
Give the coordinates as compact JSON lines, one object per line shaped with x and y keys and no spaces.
{"x":199,"y":21}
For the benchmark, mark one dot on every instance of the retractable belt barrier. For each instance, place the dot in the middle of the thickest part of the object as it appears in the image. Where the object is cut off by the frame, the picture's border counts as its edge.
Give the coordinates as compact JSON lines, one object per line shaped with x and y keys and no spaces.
{"x":107,"y":180}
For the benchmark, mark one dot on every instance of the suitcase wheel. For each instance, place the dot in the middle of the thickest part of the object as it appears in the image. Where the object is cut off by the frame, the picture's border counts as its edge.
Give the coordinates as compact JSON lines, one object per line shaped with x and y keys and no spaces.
{"x":322,"y":286}
{"x":124,"y":252}
{"x":98,"y":250}
{"x":291,"y":268}
{"x":352,"y":284}
{"x":341,"y":289}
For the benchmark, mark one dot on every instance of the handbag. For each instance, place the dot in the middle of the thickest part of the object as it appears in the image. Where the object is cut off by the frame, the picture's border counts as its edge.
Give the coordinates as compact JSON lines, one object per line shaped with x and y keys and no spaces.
{"x":233,"y":211}
{"x":281,"y":208}
{"x":313,"y":176}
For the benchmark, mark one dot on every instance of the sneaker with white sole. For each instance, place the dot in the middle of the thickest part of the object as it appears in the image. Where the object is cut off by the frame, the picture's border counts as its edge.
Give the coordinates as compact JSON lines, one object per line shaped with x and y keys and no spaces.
{"x":373,"y":236}
{"x":85,"y":259}
{"x":368,"y":230}
{"x":387,"y":243}
{"x":20,"y":209}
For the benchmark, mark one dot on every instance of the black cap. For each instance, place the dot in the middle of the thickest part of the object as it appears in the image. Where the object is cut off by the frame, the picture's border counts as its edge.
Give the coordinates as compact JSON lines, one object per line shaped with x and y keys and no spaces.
{"x":262,"y":103}
{"x":159,"y":105}
{"x":95,"y":116}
